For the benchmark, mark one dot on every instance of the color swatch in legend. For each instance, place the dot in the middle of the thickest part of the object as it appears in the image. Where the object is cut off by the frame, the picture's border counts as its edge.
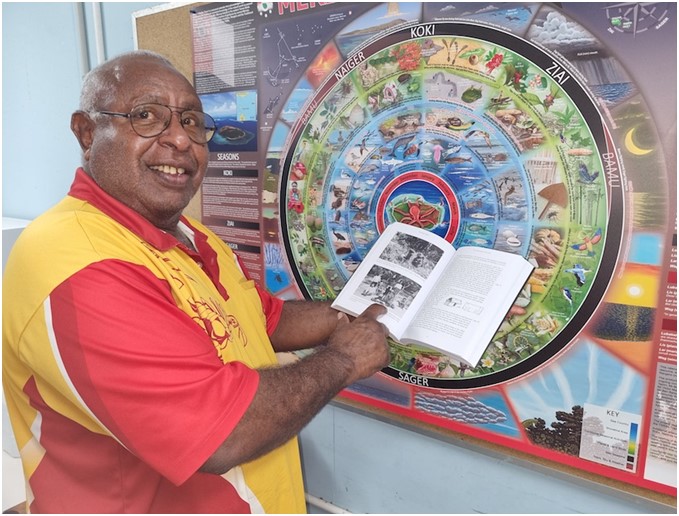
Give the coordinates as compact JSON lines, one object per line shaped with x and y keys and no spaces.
{"x":632,"y":446}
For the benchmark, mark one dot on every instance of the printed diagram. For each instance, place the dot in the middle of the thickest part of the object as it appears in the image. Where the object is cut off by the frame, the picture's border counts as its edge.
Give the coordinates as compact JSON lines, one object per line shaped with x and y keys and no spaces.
{"x":636,"y":17}
{"x":286,"y":60}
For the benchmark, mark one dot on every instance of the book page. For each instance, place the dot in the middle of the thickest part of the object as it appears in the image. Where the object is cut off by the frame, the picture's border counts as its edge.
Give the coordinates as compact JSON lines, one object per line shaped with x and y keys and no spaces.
{"x":396,"y":273}
{"x":468,"y":303}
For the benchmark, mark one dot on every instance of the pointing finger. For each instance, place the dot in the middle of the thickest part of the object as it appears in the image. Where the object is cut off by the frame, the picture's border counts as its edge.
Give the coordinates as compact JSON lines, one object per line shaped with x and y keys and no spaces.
{"x":374,"y":311}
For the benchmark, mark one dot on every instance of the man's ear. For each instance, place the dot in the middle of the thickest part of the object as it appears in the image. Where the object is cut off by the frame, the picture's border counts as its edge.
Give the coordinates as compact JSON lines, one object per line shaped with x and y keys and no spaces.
{"x":83,"y":128}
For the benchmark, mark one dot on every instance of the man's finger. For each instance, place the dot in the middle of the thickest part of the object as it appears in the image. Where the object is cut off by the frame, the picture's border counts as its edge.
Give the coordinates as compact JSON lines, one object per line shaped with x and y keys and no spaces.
{"x":342,"y":319}
{"x":374,"y":311}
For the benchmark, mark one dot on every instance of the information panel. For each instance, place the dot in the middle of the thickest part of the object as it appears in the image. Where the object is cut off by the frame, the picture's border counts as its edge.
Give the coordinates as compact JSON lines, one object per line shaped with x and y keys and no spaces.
{"x":541,"y":130}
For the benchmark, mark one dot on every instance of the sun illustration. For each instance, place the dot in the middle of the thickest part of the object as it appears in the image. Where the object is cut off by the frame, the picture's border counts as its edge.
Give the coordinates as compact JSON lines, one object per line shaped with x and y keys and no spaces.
{"x":638,"y":286}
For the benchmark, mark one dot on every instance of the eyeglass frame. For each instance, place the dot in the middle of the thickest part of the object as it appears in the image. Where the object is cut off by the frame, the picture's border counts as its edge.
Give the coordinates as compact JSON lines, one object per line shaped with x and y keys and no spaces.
{"x":173,"y":109}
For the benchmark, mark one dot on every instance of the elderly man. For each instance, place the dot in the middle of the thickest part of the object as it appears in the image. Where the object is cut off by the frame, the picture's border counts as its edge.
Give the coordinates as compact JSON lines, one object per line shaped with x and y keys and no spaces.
{"x":138,"y":359}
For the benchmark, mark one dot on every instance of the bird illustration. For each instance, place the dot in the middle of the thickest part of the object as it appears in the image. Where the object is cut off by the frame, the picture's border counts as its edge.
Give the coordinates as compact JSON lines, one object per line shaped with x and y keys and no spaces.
{"x":568,"y":296}
{"x":338,"y":236}
{"x":589,"y":243}
{"x":363,"y":146}
{"x":579,"y":272}
{"x":509,"y":192}
{"x":585,"y":175}
{"x":482,"y":134}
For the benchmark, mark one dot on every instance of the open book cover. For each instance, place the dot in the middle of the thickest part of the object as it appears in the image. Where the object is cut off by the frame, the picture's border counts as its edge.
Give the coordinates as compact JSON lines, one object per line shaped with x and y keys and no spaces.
{"x":452,"y":300}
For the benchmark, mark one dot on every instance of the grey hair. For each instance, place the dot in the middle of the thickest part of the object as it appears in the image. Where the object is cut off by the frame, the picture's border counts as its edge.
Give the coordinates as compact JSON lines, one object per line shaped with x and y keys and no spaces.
{"x":99,"y":84}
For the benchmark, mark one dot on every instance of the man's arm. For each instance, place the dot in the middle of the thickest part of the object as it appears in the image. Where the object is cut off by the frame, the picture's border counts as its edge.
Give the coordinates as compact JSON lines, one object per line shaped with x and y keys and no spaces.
{"x":304,"y":324}
{"x":288,"y":397}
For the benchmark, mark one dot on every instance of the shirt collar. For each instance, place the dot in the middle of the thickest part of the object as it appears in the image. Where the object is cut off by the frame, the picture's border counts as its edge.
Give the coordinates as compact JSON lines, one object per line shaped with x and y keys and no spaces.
{"x":86,"y":189}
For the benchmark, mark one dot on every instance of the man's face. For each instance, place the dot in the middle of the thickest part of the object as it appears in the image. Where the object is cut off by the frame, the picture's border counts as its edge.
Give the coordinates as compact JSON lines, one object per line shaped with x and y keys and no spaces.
{"x":157,"y":177}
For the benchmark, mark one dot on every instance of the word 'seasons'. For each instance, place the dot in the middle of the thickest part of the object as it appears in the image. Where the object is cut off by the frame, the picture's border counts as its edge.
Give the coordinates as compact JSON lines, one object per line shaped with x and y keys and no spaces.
{"x":228,"y":156}
{"x":411,"y":378}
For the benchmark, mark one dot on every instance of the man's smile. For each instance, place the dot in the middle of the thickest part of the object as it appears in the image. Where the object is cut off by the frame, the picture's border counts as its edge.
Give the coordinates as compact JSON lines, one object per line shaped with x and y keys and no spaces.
{"x":168,"y":169}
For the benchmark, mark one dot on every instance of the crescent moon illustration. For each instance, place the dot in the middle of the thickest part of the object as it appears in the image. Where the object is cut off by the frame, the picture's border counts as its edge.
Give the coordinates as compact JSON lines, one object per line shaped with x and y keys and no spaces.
{"x":632,"y":147}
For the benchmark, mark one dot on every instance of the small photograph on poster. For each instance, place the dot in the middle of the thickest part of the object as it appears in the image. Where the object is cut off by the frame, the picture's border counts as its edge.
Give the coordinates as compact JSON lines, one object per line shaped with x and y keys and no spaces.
{"x":327,"y":60}
{"x":235,"y":113}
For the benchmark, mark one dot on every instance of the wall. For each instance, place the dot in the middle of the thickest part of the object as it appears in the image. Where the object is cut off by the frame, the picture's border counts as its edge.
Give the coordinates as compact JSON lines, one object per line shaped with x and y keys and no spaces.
{"x":356,"y":461}
{"x":41,"y":85}
{"x":366,"y":464}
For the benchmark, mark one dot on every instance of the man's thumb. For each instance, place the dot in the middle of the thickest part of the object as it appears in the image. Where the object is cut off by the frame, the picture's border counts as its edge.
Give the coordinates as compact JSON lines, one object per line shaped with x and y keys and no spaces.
{"x":342,"y":319}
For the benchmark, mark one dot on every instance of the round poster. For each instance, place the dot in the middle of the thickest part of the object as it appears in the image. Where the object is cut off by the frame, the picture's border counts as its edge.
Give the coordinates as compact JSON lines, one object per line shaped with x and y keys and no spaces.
{"x":479,"y":137}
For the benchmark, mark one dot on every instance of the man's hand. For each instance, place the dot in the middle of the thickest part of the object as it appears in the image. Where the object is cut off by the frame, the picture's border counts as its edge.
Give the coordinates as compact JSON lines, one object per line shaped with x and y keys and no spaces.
{"x":363,"y":343}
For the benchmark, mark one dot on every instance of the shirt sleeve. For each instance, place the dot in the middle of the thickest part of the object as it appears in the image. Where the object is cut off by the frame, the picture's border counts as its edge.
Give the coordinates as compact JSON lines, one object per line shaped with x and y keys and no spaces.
{"x":144,"y":370}
{"x":271,"y":305}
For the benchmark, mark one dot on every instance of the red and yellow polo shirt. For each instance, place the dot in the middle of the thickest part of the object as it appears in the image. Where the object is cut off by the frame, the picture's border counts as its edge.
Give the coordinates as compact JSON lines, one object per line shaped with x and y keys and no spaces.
{"x":128,"y":359}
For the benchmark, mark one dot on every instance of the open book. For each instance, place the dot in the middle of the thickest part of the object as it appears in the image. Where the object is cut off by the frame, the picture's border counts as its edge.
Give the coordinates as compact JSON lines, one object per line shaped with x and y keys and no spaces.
{"x":450,"y":299}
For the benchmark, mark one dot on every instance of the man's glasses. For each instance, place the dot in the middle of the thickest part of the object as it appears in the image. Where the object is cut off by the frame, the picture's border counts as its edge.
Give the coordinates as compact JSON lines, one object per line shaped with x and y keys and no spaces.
{"x":149,"y":120}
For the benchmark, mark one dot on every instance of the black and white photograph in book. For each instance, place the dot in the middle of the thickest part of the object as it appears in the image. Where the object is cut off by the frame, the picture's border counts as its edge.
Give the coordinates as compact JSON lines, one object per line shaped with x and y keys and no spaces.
{"x":412,"y":253}
{"x":389,"y":288}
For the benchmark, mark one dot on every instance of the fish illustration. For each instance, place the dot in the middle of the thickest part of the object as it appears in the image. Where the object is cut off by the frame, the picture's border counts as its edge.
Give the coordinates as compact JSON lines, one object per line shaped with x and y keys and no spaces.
{"x":392,"y":162}
{"x":456,"y":160}
{"x":412,"y":150}
{"x":403,"y":141}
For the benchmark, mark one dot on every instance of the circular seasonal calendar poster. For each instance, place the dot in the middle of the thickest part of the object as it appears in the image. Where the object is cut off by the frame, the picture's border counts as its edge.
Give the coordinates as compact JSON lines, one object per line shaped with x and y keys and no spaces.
{"x":474,"y":135}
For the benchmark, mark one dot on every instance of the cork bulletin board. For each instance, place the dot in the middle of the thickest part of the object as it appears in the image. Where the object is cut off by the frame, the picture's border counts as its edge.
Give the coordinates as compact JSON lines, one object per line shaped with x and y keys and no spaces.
{"x":171,"y":32}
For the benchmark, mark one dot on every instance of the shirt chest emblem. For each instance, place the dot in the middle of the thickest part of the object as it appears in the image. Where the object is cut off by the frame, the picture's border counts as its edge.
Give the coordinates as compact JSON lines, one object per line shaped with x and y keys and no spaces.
{"x":223,"y":329}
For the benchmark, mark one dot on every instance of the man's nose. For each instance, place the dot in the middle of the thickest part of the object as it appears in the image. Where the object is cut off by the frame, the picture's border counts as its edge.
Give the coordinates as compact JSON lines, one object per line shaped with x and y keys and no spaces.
{"x":175,"y":134}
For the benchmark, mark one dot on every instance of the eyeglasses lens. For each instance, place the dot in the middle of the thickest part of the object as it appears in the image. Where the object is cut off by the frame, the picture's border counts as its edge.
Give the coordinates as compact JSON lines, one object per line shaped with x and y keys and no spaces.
{"x":150,"y":120}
